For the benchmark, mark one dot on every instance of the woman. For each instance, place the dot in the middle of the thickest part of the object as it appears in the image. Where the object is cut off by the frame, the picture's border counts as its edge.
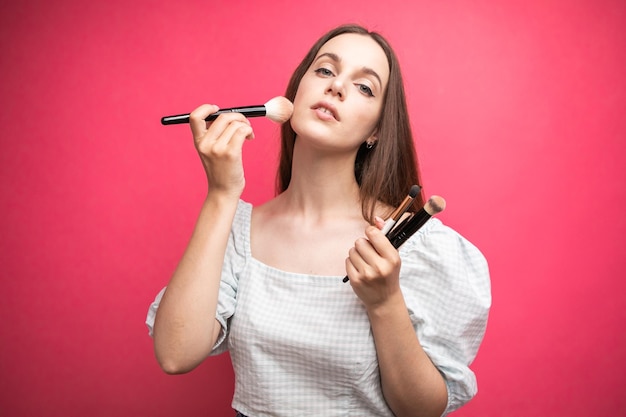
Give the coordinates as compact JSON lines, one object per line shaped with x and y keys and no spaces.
{"x":266,"y":284}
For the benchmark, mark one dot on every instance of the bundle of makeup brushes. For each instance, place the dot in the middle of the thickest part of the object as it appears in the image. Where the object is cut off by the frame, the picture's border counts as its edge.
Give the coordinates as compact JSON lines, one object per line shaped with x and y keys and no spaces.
{"x":398,"y":233}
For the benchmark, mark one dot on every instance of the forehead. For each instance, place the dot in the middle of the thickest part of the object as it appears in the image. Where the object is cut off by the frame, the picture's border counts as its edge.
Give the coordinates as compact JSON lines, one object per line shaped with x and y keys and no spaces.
{"x":359,"y":51}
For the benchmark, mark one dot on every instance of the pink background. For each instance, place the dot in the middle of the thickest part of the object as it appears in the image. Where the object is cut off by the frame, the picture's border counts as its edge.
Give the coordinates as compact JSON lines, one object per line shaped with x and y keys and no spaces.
{"x":520,"y":114}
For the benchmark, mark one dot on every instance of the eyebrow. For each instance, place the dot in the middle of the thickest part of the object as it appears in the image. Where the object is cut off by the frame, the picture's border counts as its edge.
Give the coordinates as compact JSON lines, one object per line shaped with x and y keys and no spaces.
{"x":366,"y":70}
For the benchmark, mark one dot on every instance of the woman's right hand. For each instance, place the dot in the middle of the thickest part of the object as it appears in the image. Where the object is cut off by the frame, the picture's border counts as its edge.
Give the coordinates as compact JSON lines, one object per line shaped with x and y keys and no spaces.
{"x":219,"y":144}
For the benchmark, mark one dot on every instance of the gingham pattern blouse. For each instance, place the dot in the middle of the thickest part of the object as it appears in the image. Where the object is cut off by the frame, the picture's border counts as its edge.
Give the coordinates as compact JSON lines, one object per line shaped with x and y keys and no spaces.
{"x":301,"y":344}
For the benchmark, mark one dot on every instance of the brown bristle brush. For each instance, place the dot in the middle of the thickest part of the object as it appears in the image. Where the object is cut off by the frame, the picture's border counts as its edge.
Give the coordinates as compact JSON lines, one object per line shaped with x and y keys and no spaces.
{"x":278,"y":110}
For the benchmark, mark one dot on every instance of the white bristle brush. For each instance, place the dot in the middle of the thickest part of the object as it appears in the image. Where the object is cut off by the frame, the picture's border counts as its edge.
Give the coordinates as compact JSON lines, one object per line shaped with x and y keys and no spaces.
{"x":278,"y":109}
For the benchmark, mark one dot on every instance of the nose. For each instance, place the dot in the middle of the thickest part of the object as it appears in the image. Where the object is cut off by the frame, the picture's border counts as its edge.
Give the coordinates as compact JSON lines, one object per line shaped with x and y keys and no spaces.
{"x":337,"y":88}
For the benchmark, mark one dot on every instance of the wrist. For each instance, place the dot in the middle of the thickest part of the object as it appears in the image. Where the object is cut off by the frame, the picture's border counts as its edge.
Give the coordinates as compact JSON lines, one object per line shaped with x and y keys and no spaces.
{"x":223,"y":196}
{"x":387,"y":309}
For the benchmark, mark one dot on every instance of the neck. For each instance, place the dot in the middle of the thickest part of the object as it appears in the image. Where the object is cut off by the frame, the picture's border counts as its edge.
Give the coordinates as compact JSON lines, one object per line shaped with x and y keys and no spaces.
{"x":323,"y":184}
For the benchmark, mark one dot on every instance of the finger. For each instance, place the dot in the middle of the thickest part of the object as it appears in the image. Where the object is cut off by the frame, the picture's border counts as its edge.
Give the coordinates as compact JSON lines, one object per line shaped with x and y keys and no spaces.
{"x":379,"y":222}
{"x":236,"y":131}
{"x":238,"y":126}
{"x":351,"y":271}
{"x":376,"y":250}
{"x":196,"y":119}
{"x":223,"y":122}
{"x":231,"y":142}
{"x":358,"y":255}
{"x":379,"y":242}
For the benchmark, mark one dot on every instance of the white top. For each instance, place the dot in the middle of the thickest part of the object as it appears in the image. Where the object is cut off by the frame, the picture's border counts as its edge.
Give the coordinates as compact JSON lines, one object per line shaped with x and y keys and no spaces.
{"x":301,"y":345}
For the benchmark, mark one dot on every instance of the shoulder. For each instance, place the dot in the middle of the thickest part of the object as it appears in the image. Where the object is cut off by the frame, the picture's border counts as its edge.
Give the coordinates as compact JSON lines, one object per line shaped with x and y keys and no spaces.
{"x":266,"y":209}
{"x":266,"y":217}
{"x":436,"y":240}
{"x":439,"y":254}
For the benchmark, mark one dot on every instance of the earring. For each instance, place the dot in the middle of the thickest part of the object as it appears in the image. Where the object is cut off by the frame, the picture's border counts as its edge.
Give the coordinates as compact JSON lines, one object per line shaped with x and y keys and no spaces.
{"x":370,"y":145}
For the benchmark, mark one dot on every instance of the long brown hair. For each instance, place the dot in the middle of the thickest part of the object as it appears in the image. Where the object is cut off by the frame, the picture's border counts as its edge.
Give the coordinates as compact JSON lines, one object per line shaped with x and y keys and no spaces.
{"x":385,"y":172}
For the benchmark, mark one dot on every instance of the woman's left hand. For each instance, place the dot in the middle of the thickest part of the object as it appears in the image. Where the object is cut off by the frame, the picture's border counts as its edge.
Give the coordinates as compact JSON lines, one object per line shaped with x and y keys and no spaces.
{"x":373,"y":266}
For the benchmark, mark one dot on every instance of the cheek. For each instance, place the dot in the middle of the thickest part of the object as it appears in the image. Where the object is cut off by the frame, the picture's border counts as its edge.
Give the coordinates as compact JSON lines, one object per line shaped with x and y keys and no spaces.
{"x":301,"y":92}
{"x":298,"y":112}
{"x":301,"y":105}
{"x":368,"y":121}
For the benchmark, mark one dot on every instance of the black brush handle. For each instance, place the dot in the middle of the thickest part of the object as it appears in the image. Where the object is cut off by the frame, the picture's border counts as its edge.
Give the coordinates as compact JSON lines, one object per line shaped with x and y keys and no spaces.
{"x":248,"y":111}
{"x":409,"y":227}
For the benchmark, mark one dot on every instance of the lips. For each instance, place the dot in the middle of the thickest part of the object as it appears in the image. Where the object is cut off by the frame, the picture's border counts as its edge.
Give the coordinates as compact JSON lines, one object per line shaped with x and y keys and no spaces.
{"x":326,"y":110}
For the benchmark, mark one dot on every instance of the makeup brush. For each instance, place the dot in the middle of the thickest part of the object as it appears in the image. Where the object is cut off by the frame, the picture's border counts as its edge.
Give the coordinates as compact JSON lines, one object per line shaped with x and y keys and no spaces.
{"x":402,"y":208}
{"x":278,"y":109}
{"x":407,"y":228}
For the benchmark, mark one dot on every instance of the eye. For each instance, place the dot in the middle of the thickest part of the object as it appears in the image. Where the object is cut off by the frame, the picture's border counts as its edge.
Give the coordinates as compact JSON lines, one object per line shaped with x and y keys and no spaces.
{"x":324,"y":72}
{"x":365,"y":90}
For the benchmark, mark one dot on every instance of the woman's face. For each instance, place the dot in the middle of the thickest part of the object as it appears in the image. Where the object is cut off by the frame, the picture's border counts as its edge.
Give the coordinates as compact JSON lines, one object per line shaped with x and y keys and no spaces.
{"x":340,"y":97}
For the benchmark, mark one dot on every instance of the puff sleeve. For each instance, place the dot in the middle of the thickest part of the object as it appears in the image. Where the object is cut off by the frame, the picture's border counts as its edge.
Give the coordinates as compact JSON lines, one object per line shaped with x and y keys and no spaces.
{"x":446,"y":285}
{"x":234,"y":262}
